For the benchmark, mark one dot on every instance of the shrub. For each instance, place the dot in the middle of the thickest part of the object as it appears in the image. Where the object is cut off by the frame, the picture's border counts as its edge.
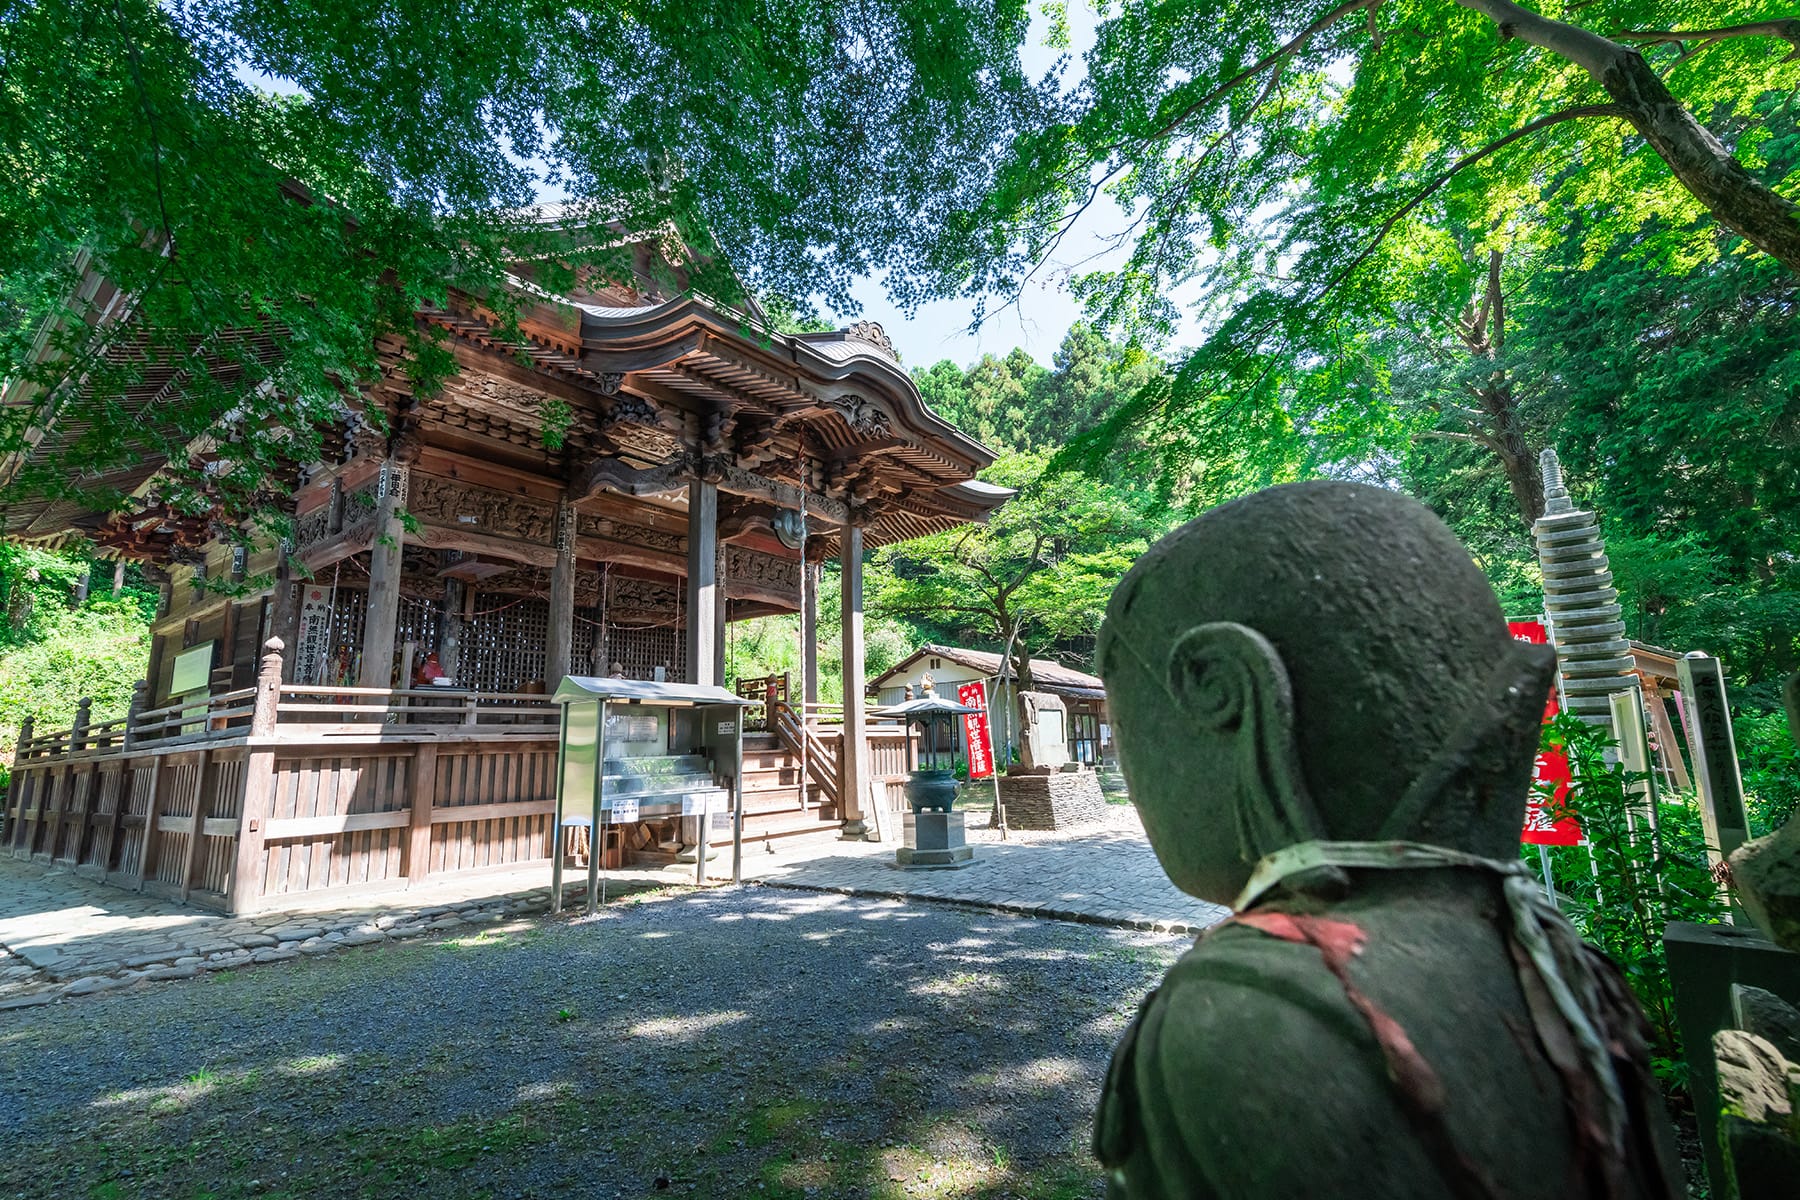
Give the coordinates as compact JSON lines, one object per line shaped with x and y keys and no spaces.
{"x":1633,"y":877}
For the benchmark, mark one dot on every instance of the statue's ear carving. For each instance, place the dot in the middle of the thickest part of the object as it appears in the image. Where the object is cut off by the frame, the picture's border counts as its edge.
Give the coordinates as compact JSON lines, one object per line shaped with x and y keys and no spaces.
{"x":1229,"y":681}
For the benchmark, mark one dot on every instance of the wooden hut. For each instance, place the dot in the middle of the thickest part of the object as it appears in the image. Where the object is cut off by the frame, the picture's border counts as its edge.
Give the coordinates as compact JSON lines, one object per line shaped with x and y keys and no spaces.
{"x":694,"y":442}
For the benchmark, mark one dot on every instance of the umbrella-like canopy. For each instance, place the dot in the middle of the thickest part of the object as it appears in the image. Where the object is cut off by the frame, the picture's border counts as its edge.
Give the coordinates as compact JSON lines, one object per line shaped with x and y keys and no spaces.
{"x":925,"y":708}
{"x":927,"y":711}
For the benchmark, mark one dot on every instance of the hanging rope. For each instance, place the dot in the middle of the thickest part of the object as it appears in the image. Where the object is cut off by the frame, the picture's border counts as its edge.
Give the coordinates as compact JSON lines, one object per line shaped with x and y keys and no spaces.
{"x":488,"y":612}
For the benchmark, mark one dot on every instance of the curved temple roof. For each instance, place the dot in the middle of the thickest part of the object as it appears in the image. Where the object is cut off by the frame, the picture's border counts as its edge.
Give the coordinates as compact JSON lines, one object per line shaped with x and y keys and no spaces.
{"x":649,"y":382}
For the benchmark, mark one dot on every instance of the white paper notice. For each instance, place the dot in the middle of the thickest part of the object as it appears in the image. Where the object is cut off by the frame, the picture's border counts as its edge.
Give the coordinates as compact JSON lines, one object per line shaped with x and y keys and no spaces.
{"x":622,"y":810}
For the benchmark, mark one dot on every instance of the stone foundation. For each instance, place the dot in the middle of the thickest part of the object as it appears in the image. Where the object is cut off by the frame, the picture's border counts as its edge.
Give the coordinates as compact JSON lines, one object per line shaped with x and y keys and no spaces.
{"x":1044,"y":799}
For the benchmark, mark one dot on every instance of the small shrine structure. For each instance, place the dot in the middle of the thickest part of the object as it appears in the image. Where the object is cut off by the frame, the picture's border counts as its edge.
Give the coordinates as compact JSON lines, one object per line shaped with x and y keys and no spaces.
{"x":368,"y":704}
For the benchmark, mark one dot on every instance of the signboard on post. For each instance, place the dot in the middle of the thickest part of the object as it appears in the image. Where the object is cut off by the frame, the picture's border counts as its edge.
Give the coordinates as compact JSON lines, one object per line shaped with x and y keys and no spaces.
{"x":1714,"y":748}
{"x":976,"y":735}
{"x":1553,"y":774}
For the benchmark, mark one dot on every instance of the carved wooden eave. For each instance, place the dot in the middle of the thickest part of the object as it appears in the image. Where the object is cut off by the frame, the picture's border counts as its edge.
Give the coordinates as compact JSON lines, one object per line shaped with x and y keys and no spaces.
{"x":649,"y":397}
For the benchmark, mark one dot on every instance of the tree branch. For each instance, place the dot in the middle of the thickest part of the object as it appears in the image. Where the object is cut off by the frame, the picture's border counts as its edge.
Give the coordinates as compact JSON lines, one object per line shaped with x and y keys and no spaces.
{"x":1466,"y":161}
{"x":1787,"y":29}
{"x":1740,"y":201}
{"x":1281,"y":54}
{"x":1496,"y":298}
{"x":1451,"y":435}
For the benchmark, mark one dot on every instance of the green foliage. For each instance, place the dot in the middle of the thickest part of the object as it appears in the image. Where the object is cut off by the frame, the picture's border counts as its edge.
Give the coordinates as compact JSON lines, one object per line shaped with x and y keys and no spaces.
{"x":1038,"y":573}
{"x":1012,"y":403}
{"x":1637,"y":876}
{"x":556,"y":417}
{"x":54,"y":652}
{"x":1769,"y":763}
{"x":771,"y":645}
{"x":266,"y":242}
{"x":1674,"y":402}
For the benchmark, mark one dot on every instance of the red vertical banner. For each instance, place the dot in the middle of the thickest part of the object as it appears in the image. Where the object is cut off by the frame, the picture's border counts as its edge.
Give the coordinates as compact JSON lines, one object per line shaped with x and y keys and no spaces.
{"x":1541,"y":826}
{"x":975,"y":730}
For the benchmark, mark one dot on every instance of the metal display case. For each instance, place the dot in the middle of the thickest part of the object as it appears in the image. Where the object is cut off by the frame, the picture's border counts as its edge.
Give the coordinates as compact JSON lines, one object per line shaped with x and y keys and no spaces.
{"x":633,"y":750}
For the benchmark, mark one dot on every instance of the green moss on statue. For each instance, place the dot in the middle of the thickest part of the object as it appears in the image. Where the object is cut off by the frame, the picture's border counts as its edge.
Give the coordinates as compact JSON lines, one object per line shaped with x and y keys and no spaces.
{"x":1324,"y":723}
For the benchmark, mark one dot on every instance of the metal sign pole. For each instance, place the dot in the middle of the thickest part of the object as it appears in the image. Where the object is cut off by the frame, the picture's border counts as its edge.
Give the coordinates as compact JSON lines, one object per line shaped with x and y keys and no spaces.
{"x":594,"y":830}
{"x":556,"y":830}
{"x":737,"y":803}
{"x":1549,"y":883}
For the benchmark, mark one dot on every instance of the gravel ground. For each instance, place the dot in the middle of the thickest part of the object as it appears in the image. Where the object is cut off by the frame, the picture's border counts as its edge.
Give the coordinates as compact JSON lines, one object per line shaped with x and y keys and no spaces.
{"x":735,"y":1043}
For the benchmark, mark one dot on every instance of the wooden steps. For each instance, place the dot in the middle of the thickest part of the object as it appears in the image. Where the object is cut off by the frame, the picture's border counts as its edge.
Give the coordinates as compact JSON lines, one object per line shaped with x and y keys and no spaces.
{"x":772,"y":808}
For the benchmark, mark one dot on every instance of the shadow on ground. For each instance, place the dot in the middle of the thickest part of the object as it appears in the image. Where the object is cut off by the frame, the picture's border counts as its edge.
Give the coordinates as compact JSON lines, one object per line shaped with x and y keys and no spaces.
{"x":752,"y":1042}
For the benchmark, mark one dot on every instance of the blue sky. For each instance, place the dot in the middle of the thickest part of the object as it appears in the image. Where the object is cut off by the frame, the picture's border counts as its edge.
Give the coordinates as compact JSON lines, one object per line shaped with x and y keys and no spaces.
{"x":1044,"y":310}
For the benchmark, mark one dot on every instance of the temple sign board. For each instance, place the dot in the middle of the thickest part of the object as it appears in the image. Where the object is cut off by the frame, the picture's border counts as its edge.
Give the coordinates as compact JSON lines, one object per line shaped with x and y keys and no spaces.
{"x":1046,"y":739}
{"x":192,"y":670}
{"x":659,"y":757}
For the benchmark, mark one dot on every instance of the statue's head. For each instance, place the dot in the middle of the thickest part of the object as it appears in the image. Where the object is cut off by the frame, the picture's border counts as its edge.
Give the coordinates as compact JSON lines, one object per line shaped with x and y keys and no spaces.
{"x":1317,"y":661}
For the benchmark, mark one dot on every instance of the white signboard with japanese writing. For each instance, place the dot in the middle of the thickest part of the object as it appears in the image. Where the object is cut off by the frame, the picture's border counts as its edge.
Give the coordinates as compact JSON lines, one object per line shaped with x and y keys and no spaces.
{"x":622,"y":809}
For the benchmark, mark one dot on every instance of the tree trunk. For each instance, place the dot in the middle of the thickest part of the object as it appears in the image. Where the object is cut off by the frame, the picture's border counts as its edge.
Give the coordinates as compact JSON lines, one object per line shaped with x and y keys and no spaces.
{"x":1736,"y":198}
{"x":1518,"y":460}
{"x":1740,"y":202}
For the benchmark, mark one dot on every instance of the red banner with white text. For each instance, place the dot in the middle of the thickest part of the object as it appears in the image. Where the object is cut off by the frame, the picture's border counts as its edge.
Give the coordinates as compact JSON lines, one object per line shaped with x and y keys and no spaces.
{"x":975,"y":729}
{"x":1552,"y":768}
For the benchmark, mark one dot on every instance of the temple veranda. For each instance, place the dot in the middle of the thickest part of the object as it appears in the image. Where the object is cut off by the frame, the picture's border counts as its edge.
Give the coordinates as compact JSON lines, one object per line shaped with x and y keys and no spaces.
{"x":288,"y":738}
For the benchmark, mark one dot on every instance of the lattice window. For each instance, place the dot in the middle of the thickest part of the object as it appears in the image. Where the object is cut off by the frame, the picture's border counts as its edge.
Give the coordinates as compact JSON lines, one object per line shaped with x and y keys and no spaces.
{"x":422,"y":622}
{"x":641,"y":650}
{"x":503,"y":647}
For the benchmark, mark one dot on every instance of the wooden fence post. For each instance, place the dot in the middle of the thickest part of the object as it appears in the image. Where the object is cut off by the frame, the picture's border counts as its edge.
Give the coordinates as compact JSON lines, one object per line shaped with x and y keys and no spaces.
{"x":83,"y":718}
{"x":200,"y":808}
{"x":418,"y":830}
{"x":17,"y":793}
{"x":246,"y":886}
{"x":152,"y":813}
{"x":140,"y":695}
{"x":140,"y":699}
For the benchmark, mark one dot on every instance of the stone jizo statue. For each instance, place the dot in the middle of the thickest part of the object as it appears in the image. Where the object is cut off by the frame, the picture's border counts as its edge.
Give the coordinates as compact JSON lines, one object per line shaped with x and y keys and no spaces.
{"x":1325,"y":725}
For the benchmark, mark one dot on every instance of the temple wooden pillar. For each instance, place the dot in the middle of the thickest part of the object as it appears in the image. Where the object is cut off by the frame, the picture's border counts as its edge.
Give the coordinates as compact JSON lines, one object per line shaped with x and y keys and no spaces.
{"x":559,"y":647}
{"x":450,"y":640}
{"x":809,"y":632}
{"x":386,"y":547}
{"x":705,"y":610}
{"x":854,"y":754}
{"x":284,"y":611}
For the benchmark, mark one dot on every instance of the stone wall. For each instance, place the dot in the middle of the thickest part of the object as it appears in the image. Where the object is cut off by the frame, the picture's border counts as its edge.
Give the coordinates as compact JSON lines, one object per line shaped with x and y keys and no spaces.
{"x":1051,"y":800}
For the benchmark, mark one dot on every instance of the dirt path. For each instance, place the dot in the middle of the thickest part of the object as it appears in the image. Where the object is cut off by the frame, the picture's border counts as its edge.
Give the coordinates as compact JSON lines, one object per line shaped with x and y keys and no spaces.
{"x":753,"y":1043}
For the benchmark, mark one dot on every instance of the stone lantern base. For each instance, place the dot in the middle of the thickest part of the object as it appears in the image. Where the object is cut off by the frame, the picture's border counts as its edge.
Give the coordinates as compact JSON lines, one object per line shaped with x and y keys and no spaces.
{"x":934,"y":839}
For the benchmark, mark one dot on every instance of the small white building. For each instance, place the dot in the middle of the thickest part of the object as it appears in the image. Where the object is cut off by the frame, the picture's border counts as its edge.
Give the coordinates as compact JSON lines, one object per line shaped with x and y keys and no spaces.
{"x":1090,"y":739}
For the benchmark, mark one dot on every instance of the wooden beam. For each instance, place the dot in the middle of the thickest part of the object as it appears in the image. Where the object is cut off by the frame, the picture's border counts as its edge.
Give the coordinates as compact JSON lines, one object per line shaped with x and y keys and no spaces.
{"x":809,"y":631}
{"x":448,"y":537}
{"x":504,"y":810}
{"x":853,"y":761}
{"x":703,"y":609}
{"x":423,"y":789}
{"x":560,"y":640}
{"x":381,"y":619}
{"x":315,"y":827}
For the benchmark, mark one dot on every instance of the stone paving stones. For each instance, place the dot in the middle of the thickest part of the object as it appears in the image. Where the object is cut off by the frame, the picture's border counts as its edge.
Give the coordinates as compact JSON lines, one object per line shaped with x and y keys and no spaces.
{"x":63,"y":935}
{"x":1106,"y":874}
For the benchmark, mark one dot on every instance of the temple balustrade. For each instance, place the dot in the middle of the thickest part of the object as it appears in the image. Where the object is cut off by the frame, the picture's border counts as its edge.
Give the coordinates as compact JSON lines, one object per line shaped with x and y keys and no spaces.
{"x":255,"y":797}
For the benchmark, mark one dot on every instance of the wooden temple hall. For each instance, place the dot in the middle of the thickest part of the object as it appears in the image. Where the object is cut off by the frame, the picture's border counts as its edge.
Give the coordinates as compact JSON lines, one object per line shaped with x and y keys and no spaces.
{"x":380,"y":714}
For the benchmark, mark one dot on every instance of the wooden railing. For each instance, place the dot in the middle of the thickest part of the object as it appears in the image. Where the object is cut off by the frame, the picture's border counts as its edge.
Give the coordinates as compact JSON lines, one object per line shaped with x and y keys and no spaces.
{"x":242,"y":800}
{"x":819,"y":756}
